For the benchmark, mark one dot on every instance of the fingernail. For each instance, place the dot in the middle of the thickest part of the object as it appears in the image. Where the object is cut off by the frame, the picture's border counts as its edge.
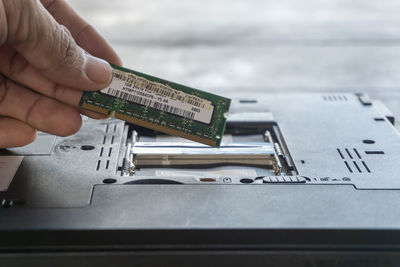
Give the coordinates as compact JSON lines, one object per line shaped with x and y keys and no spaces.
{"x":98,"y":70}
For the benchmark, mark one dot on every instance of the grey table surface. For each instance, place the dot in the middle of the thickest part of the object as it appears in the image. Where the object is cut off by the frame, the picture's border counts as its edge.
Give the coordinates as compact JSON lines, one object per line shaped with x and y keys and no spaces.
{"x":227,"y":46}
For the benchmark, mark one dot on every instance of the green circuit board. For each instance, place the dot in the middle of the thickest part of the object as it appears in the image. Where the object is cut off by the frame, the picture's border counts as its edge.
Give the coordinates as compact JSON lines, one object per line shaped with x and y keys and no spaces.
{"x":161,"y":105}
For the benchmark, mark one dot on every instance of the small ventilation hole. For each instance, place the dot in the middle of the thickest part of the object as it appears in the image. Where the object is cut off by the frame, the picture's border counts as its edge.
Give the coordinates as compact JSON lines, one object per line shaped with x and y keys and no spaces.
{"x":368,"y":141}
{"x":98,"y":165}
{"x":101,"y":152}
{"x":109,"y":181}
{"x":112,"y":139}
{"x":340,"y":153}
{"x":115,"y":128}
{"x":247,"y":101}
{"x":107,"y":128}
{"x":358,"y":154}
{"x":107,"y":164}
{"x":109,"y":152}
{"x":366,"y":167}
{"x":348,"y":153}
{"x":104,"y":139}
{"x":358,"y":168}
{"x":334,"y":98}
{"x":87,"y":147}
{"x":348,"y":166}
{"x":246,"y":180}
{"x":374,"y":152}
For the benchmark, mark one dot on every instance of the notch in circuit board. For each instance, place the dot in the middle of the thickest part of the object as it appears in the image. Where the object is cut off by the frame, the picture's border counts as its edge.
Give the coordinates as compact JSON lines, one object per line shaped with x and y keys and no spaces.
{"x":161,"y":105}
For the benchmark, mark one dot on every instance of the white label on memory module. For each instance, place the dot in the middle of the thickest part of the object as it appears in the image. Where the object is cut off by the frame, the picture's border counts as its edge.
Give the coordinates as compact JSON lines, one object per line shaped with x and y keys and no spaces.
{"x":139,"y":90}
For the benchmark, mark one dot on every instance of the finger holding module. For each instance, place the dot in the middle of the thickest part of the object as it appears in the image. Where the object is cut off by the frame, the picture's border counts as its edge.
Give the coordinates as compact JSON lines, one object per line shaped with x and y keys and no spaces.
{"x":38,"y":111}
{"x":49,"y":46}
{"x":15,"y":133}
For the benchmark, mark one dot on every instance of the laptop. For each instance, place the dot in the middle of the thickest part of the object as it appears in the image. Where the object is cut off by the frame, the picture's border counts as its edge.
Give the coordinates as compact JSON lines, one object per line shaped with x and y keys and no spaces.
{"x":300,"y":180}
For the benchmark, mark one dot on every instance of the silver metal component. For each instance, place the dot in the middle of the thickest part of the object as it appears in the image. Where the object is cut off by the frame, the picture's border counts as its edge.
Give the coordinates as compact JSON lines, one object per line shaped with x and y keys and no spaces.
{"x":267,"y":137}
{"x":278,"y":149}
{"x":192,"y":154}
{"x":277,"y":166}
{"x":135,"y":137}
{"x":283,"y":179}
{"x":129,"y":166}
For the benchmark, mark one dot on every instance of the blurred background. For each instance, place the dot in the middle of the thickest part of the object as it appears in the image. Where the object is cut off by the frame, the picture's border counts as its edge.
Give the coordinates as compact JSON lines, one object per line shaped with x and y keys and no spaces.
{"x":227,"y":46}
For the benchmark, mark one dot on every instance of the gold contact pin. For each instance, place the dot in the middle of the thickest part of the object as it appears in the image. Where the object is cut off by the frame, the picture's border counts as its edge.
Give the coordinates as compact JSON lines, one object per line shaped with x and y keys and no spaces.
{"x":165,"y":130}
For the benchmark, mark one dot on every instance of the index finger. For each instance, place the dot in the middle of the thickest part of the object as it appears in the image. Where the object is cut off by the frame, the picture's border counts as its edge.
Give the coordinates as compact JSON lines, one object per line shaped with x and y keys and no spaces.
{"x":83,"y":33}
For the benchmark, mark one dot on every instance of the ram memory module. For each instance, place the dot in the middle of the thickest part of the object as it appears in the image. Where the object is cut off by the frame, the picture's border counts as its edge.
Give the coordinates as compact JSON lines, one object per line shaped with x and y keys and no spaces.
{"x":161,"y":105}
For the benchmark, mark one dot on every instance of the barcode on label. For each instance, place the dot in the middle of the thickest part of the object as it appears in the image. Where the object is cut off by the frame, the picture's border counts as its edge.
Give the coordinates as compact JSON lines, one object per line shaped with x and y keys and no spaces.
{"x":173,"y":110}
{"x":151,"y":103}
{"x":133,"y":98}
{"x":133,"y":81}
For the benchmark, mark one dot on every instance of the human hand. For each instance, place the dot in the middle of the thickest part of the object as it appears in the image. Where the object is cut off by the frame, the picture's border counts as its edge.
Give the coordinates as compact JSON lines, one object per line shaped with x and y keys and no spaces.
{"x":44,"y":67}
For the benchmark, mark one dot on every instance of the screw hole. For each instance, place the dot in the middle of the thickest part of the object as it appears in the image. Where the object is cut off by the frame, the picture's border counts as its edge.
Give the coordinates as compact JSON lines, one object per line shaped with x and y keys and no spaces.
{"x":109,"y":181}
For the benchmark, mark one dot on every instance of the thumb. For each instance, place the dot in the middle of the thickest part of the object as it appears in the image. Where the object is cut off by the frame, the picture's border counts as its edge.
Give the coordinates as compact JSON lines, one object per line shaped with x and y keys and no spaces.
{"x":50,"y":47}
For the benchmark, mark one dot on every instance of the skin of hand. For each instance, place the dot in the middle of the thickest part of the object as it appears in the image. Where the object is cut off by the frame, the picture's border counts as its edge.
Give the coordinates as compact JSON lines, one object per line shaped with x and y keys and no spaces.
{"x":48,"y":56}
